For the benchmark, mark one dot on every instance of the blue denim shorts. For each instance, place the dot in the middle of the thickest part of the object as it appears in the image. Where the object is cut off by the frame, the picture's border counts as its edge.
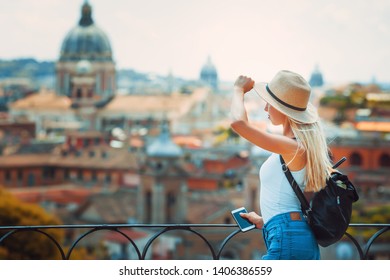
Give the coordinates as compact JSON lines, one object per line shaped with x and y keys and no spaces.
{"x":287,"y":236}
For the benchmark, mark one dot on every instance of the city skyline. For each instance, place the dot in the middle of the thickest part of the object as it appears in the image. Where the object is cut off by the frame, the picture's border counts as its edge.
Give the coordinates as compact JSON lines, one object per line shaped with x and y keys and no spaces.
{"x":347,"y":40}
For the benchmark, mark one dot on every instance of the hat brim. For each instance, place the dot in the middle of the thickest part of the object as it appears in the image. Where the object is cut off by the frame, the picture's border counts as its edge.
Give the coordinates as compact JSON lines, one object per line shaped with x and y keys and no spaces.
{"x":308,"y":116}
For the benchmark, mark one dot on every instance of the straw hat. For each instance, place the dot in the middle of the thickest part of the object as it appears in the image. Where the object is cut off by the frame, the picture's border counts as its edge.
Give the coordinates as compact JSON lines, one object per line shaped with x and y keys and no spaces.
{"x":289,"y":93}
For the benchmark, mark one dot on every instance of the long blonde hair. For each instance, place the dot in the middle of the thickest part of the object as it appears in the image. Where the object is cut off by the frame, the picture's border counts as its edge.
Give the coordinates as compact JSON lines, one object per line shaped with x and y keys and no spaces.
{"x":311,"y":138}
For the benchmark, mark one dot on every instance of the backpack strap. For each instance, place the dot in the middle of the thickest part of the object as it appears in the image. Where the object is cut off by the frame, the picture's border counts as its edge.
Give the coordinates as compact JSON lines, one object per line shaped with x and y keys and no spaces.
{"x":305,"y":206}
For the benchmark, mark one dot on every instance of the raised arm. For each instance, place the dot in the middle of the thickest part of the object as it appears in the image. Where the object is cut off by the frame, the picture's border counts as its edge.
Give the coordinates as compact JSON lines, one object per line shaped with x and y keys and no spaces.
{"x":242,"y":85}
{"x":240,"y":124}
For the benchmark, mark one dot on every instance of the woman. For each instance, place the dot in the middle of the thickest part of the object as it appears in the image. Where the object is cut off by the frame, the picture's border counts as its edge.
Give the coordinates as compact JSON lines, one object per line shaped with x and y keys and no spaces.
{"x":304,"y":149}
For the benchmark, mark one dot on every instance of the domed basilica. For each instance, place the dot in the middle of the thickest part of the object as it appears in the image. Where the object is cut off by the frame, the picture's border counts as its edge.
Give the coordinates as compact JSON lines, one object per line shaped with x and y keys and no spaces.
{"x":209,"y":74}
{"x":86,"y":70}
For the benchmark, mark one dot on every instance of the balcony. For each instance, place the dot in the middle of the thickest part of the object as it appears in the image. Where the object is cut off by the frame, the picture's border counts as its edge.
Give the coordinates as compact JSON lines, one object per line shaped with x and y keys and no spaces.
{"x":215,"y":248}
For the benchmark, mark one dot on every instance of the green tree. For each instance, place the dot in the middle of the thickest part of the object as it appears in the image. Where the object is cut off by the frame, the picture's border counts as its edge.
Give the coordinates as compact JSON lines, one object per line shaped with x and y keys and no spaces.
{"x":223,"y":134}
{"x":376,"y":214}
{"x":27,"y":244}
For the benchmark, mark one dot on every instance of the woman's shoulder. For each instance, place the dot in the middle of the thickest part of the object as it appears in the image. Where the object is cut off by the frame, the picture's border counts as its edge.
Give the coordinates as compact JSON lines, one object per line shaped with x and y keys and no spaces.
{"x":295,"y":160}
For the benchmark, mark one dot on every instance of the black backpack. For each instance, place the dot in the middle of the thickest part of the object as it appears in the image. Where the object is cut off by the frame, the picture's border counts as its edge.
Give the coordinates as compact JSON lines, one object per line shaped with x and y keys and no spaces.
{"x":329,"y":211}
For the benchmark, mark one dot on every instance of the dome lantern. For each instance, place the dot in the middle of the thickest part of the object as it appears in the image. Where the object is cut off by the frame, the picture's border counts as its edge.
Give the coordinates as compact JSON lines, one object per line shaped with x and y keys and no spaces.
{"x":86,"y":15}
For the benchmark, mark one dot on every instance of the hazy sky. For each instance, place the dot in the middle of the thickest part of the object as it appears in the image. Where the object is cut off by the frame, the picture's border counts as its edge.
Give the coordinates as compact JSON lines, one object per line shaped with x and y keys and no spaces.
{"x":348,"y":39}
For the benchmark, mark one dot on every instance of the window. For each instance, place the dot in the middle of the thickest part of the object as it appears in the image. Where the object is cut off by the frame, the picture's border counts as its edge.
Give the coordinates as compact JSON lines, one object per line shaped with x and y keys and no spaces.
{"x":170,"y":207}
{"x":20,"y":175}
{"x":48,"y":172}
{"x":158,"y":166}
{"x":66,"y":174}
{"x":8,"y":176}
{"x":31,"y":180}
{"x":108,"y":178}
{"x":356,"y":159}
{"x":94,"y":176}
{"x":80,"y":175}
{"x":384,"y":160}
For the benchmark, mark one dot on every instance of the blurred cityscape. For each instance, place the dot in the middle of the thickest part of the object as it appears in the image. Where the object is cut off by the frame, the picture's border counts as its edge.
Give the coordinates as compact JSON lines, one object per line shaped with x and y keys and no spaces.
{"x":92,"y":144}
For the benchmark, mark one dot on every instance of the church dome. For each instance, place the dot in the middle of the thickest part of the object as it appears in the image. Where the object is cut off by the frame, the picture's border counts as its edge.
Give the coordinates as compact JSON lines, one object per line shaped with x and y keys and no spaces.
{"x":316,"y":79}
{"x":86,"y":41}
{"x":208,"y":71}
{"x":209,"y":75}
{"x":163,"y":146}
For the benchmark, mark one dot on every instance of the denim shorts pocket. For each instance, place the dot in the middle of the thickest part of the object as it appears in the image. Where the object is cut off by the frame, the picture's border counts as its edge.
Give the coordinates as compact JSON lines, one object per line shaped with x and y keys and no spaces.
{"x":274,"y":243}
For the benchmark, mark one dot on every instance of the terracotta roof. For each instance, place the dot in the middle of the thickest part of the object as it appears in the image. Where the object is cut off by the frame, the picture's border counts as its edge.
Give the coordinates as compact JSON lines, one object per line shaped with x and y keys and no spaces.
{"x":93,"y":158}
{"x":373,"y":126}
{"x":61,"y":194}
{"x":110,"y":207}
{"x":187,"y":141}
{"x":177,"y":104}
{"x":90,"y":158}
{"x":149,"y":103}
{"x":24,"y":160}
{"x":43,"y":100}
{"x":136,"y":142}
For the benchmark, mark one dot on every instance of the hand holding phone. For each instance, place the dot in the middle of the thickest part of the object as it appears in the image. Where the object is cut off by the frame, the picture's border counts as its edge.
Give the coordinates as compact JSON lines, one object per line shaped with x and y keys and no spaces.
{"x":243,"y":223}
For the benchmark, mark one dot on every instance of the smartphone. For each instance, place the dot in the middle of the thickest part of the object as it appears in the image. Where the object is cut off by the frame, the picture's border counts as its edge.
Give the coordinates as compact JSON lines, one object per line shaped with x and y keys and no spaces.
{"x":243,"y":223}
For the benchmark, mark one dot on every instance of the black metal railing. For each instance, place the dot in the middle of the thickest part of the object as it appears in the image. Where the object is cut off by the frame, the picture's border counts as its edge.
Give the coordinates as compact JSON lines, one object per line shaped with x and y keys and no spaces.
{"x":8,"y":231}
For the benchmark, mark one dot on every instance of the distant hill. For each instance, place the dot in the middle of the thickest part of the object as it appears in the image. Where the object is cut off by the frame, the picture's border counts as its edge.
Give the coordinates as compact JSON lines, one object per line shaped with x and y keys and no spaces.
{"x":31,"y":68}
{"x":42,"y":73}
{"x":26,"y":68}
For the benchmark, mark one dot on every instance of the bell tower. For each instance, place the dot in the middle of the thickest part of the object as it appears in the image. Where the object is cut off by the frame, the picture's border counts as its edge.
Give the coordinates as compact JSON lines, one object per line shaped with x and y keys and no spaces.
{"x":163,"y":190}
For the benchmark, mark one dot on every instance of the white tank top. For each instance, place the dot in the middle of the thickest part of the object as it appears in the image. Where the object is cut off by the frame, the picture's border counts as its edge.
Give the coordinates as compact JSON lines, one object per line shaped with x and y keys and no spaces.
{"x":276,"y":193}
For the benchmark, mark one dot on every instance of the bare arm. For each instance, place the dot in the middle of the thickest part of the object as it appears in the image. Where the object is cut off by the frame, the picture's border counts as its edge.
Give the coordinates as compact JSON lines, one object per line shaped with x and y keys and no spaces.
{"x":237,"y":108}
{"x":272,"y":142}
{"x":242,"y":85}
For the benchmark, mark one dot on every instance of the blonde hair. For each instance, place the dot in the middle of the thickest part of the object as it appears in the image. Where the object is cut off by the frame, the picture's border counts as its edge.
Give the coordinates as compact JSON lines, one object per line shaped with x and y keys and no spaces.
{"x":311,"y":138}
